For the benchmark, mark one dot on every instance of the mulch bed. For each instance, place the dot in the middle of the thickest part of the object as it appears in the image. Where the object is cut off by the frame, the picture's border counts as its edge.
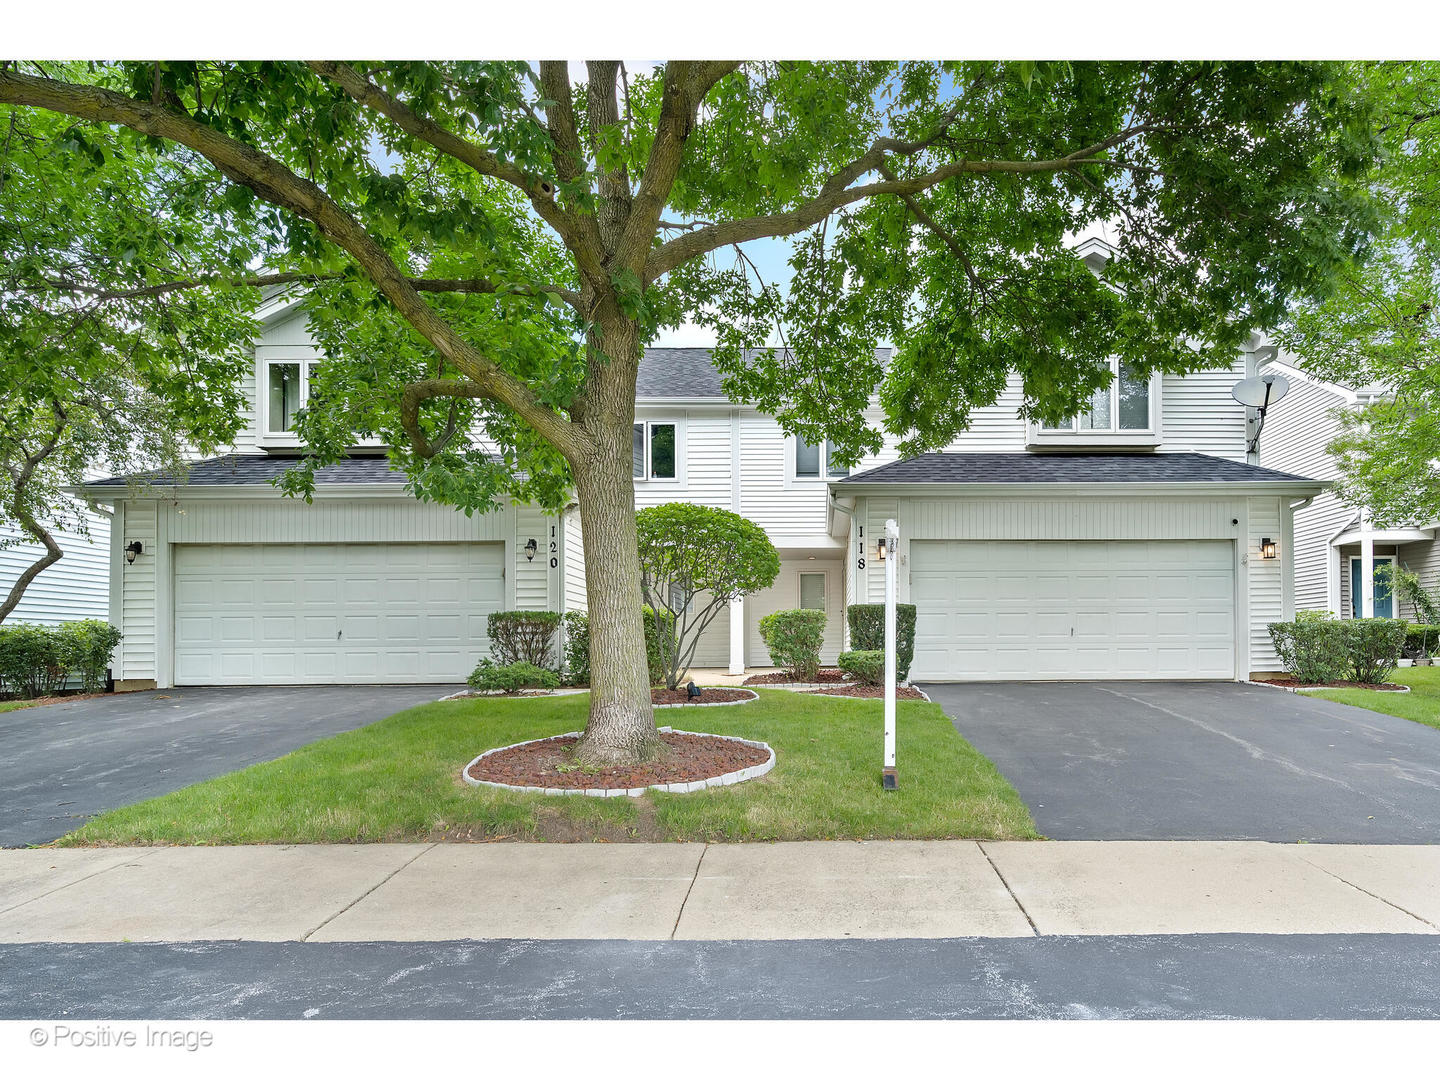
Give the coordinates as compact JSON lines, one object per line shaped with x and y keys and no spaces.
{"x":770,"y":678}
{"x":688,"y":757}
{"x":1292,"y":684}
{"x":710,"y":695}
{"x":902,"y":693}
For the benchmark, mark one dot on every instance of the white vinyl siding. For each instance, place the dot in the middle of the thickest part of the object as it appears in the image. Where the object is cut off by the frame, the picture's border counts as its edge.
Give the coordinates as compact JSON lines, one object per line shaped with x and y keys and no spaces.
{"x":76,"y":587}
{"x":137,"y":650}
{"x":575,"y":589}
{"x":1056,"y":609}
{"x":248,"y":614}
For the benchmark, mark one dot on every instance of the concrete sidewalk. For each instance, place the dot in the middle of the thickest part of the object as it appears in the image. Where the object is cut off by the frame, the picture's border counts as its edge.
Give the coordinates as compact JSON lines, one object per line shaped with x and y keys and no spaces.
{"x":834,"y":890}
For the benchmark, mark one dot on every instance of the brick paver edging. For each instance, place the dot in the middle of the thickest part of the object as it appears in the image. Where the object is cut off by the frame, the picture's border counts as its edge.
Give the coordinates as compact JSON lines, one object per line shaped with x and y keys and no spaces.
{"x":736,"y":777}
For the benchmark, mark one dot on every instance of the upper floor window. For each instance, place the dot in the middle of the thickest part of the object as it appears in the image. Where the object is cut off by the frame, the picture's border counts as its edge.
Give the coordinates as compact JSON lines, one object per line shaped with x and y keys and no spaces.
{"x":1124,"y":405}
{"x":807,"y":460}
{"x":653,"y":451}
{"x":287,"y":388}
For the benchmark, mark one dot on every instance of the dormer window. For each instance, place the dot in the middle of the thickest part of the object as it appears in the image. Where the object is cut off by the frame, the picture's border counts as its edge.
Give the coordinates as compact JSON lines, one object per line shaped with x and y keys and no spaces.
{"x":807,"y":461}
{"x":1124,"y":405}
{"x":287,"y":389}
{"x":1125,"y":413}
{"x":653,"y":451}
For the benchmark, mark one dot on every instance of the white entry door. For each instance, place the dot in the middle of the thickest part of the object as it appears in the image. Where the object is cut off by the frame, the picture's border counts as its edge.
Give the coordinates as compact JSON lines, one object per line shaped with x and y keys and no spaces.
{"x":261,"y":614}
{"x":1063,"y":609}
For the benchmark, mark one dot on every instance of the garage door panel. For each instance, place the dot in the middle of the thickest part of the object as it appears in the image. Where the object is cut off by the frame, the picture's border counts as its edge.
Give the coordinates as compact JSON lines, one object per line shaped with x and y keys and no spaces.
{"x":1078,"y":609}
{"x":292,"y":613}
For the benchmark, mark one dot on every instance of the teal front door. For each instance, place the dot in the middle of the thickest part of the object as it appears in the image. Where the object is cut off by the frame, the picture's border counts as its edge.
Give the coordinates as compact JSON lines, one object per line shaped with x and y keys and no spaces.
{"x":1384,"y":604}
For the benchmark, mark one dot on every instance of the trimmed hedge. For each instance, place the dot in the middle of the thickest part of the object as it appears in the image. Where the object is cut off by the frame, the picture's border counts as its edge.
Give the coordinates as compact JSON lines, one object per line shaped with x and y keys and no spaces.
{"x":577,"y":647}
{"x":512,"y":678}
{"x":39,"y":660}
{"x":866,"y":665}
{"x":867,"y":633}
{"x":523,"y":637}
{"x":1318,"y":649}
{"x":794,"y":639}
{"x":1375,"y":646}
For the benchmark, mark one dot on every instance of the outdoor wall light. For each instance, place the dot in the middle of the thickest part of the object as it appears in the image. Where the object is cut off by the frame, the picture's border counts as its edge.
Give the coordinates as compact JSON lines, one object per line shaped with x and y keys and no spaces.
{"x":531,"y":547}
{"x":1267,"y":548}
{"x":880,"y":546}
{"x":131,"y":550}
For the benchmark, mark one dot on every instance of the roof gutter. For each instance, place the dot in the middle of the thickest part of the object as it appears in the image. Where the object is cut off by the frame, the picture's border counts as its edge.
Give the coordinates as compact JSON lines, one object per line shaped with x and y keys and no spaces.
{"x":1051,"y":488}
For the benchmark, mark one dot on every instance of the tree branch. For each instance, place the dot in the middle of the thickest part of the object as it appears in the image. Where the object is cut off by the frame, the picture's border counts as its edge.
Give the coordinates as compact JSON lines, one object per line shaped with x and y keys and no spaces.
{"x":23,"y":514}
{"x":834,"y":194}
{"x":541,"y":192}
{"x":425,"y":285}
{"x":686,"y":85}
{"x":427,"y":390}
{"x":276,"y":184}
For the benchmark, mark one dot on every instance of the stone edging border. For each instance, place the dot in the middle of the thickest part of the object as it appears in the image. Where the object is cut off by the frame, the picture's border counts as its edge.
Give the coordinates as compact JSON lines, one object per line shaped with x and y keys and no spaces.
{"x":724,"y":780}
{"x":1303,"y":689}
{"x":852,"y":697}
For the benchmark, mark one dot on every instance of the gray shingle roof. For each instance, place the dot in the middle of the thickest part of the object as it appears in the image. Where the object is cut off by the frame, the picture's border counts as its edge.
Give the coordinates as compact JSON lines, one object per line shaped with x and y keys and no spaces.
{"x":1133,"y":468}
{"x":688,"y":373}
{"x":242,"y":469}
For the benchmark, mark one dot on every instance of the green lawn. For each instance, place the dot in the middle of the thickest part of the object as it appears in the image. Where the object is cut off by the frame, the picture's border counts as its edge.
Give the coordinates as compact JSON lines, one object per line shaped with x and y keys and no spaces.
{"x":1422,"y":704}
{"x":399,"y":779}
{"x":11,"y":706}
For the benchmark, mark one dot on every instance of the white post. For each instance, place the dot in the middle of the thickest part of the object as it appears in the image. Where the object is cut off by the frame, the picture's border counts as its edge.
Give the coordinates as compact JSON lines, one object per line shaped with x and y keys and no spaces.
{"x":1367,"y":571}
{"x":737,"y":636}
{"x":892,"y":559}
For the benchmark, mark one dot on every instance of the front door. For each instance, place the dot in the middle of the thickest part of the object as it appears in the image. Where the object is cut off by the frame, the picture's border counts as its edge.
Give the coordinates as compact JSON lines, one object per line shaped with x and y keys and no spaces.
{"x":1384,"y":603}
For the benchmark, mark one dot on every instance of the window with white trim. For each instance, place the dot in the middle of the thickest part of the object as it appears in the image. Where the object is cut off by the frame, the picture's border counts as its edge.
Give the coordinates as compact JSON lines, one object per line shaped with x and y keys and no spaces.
{"x":653,"y":451}
{"x":1124,"y":406}
{"x":807,"y":460}
{"x":812,"y":591}
{"x":287,"y":389}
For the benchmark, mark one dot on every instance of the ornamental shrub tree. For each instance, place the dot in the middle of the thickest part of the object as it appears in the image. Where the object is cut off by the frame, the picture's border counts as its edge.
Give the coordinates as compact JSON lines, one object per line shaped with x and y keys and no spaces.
{"x":491,"y":245}
{"x":693,"y":561}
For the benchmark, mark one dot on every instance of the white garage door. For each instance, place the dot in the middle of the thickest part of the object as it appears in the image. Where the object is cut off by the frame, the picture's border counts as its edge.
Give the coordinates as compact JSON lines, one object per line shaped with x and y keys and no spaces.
{"x":1059,"y":609}
{"x":333,"y":613}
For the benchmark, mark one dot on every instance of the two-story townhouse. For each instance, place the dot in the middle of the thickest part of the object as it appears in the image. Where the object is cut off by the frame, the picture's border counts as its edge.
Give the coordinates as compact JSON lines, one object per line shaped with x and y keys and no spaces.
{"x":1338,"y":550}
{"x":1136,"y":541}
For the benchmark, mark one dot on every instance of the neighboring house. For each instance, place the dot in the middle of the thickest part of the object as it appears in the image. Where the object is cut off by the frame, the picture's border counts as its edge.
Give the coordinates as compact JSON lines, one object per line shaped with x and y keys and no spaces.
{"x":1126,"y":545}
{"x":76,"y":587}
{"x":1337,"y":549}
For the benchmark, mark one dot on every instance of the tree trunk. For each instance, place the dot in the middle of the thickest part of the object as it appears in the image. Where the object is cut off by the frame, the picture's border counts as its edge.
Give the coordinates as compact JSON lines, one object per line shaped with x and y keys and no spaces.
{"x":621,"y":727}
{"x":52,"y":555}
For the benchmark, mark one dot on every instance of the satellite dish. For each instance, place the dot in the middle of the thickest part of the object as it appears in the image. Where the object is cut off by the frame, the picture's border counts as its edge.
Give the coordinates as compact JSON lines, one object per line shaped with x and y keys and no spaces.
{"x":1260,"y":392}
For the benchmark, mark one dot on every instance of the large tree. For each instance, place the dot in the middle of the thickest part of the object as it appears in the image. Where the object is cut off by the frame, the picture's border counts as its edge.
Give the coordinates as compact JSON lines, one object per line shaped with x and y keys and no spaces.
{"x":1381,"y":328}
{"x":460,"y":219}
{"x":98,"y":370}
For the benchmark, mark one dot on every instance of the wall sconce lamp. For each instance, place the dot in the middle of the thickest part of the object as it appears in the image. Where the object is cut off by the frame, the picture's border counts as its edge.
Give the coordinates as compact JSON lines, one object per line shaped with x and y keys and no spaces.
{"x":1267,"y":548}
{"x":131,"y":550}
{"x":881,"y":547}
{"x":531,"y":547}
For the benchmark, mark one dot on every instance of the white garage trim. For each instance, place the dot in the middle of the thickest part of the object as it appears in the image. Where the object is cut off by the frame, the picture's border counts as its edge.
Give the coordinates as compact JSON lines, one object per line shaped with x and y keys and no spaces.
{"x":1073,"y":609}
{"x":261,"y":614}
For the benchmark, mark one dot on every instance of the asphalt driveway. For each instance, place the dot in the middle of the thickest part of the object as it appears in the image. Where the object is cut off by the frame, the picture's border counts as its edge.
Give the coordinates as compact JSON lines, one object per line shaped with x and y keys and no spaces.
{"x":61,"y":764}
{"x":1202,"y":761}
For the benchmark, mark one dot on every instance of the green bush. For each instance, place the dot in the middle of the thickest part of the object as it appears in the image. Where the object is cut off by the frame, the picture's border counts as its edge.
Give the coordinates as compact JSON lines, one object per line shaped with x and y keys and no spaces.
{"x":1314,"y":650}
{"x":1421,"y":639}
{"x":39,"y":660}
{"x":86,"y":648}
{"x":1375,"y":646}
{"x":523,"y":637}
{"x":577,"y":647}
{"x":512,"y":678}
{"x":794,"y":639}
{"x":867,"y":632}
{"x":866,"y":665}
